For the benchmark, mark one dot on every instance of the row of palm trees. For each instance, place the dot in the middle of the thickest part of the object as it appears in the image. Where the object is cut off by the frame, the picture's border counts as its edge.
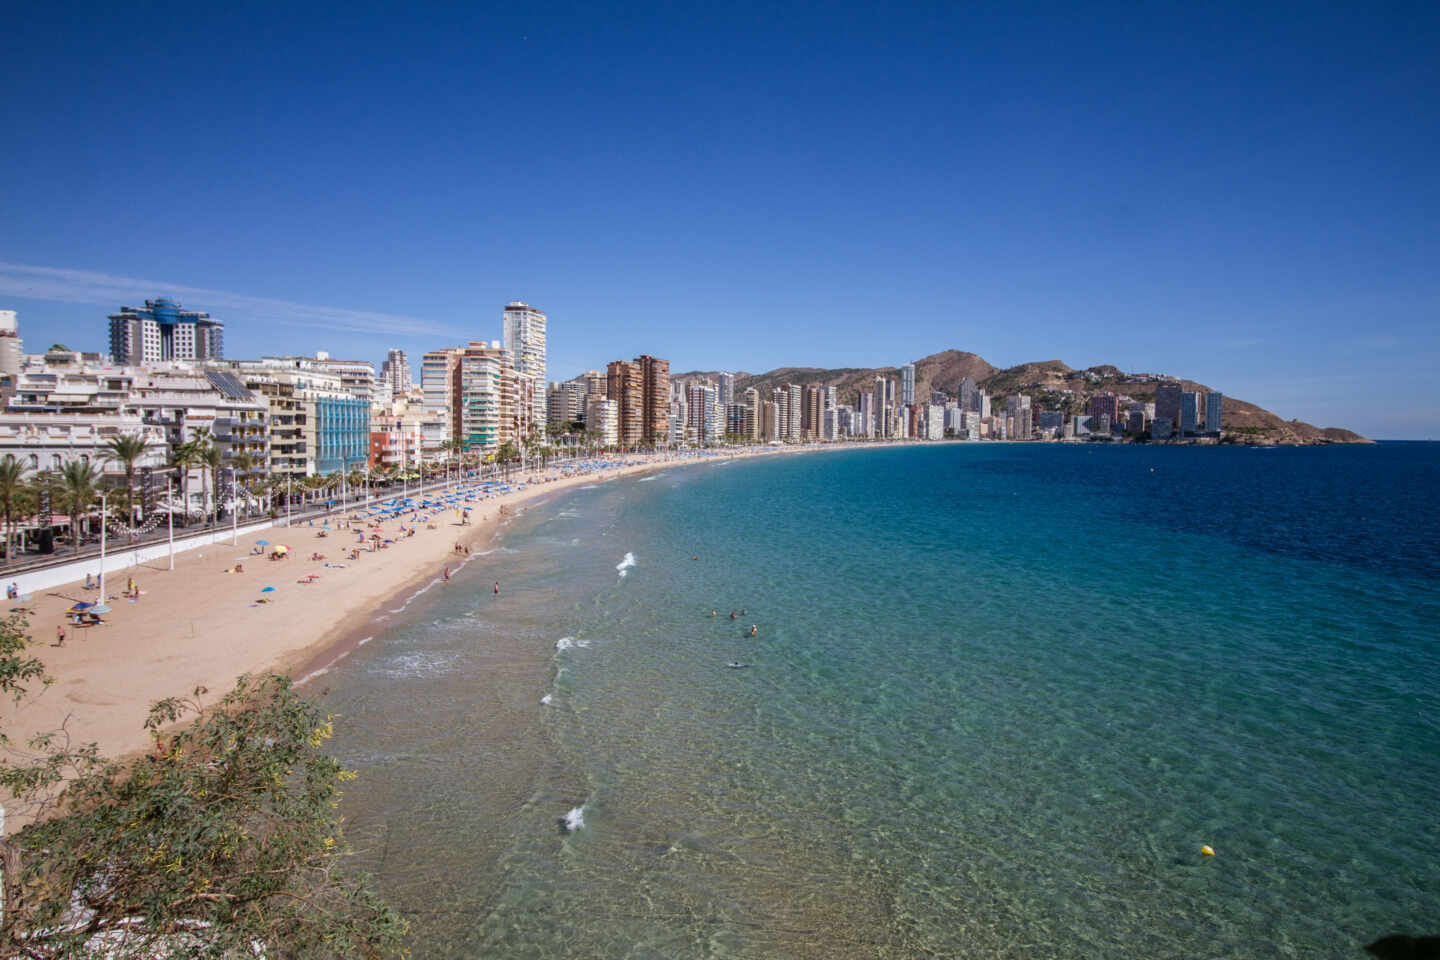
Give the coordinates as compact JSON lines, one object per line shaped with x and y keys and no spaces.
{"x":77,"y":485}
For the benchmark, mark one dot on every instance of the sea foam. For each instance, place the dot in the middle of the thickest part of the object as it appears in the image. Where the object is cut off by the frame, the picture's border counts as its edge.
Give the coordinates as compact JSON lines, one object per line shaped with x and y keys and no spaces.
{"x":545,"y":700}
{"x":573,"y":820}
{"x":567,"y":643}
{"x":624,"y":565}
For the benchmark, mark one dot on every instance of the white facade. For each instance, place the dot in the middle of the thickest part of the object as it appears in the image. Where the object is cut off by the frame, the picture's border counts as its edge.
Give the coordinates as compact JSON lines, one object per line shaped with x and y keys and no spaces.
{"x":525,"y":339}
{"x":934,"y":422}
{"x":602,"y":420}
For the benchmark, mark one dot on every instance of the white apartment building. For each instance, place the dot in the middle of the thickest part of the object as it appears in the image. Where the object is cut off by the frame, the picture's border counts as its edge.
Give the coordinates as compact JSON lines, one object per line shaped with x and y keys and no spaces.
{"x":602,"y":420}
{"x":525,"y":337}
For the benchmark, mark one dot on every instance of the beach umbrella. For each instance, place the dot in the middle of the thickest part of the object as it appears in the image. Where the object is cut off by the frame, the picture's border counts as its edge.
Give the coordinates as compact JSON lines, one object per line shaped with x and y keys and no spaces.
{"x":281,"y":548}
{"x":268,"y":590}
{"x":262,"y":543}
{"x":81,"y":605}
{"x":100,"y":608}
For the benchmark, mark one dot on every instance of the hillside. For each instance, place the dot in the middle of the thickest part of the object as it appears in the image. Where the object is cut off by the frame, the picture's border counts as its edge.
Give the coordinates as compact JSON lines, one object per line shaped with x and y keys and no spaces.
{"x":1051,"y":383}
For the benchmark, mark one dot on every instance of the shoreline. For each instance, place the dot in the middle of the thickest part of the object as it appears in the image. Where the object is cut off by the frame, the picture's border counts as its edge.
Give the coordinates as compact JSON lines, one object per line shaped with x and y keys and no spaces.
{"x":202,"y":625}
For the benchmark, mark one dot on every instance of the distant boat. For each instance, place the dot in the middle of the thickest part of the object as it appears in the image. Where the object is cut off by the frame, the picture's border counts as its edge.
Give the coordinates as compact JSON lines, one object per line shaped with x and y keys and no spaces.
{"x":736,"y":665}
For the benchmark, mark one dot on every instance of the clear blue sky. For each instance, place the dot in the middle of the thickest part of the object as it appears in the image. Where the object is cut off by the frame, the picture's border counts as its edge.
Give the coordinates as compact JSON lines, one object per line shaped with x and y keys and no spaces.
{"x":1247,"y":195}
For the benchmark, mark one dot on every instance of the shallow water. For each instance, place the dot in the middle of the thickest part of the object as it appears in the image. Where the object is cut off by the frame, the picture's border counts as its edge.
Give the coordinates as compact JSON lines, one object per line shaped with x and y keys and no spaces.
{"x":1000,"y":697}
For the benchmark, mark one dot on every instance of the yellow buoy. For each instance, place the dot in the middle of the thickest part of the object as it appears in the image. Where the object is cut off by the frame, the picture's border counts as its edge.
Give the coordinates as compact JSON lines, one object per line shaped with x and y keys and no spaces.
{"x":1207,"y":850}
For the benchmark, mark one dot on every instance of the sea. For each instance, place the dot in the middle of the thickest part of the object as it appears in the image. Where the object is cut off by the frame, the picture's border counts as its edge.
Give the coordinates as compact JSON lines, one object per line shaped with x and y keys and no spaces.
{"x":999,"y":700}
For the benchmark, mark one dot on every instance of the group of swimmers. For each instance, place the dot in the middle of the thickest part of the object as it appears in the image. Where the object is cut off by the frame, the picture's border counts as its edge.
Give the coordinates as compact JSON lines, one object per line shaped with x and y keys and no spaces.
{"x":754,"y":629}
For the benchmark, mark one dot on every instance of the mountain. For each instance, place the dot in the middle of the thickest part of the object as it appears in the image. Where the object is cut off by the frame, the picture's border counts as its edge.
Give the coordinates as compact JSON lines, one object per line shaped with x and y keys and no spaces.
{"x":1051,"y":383}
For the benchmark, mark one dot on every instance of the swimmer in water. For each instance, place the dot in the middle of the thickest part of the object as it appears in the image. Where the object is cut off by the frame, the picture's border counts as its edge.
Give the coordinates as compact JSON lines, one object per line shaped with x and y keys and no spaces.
{"x":732,"y":614}
{"x":754,"y":629}
{"x":743,"y":611}
{"x":712,"y":613}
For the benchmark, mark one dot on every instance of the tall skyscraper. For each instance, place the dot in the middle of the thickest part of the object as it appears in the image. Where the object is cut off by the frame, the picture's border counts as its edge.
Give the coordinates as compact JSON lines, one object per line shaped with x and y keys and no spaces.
{"x":641,"y":391}
{"x":725,"y":384}
{"x":907,"y":384}
{"x":812,"y":409}
{"x":1167,"y":402}
{"x":1214,"y":411}
{"x":967,"y":391}
{"x":879,"y":412}
{"x":1189,"y":413}
{"x":525,"y":339}
{"x":162,"y":331}
{"x":439,"y":384}
{"x":486,"y":398}
{"x":396,"y":372}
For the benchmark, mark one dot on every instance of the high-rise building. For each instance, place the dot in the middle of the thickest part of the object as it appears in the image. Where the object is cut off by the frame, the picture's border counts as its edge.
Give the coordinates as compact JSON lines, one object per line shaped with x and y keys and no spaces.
{"x":1214,"y":411}
{"x":396,"y":372}
{"x":704,"y":416}
{"x":439,"y":385}
{"x":601,"y":420}
{"x":754,"y":418}
{"x":162,"y":331}
{"x":879,"y":426}
{"x":725,"y":385}
{"x":812,"y":408}
{"x":1105,"y":404}
{"x":1018,"y":416}
{"x":1167,"y":403}
{"x":770,"y":414}
{"x":794,"y":421}
{"x":486,"y":396}
{"x":641,"y":391}
{"x":1189,"y":413}
{"x":968,"y":391}
{"x":525,"y":339}
{"x":907,"y":385}
{"x":357,"y":377}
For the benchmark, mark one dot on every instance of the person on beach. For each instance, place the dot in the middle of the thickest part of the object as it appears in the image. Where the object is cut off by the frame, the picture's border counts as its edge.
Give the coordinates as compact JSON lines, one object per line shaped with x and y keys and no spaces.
{"x":60,"y":635}
{"x":497,"y":588}
{"x":447,"y":574}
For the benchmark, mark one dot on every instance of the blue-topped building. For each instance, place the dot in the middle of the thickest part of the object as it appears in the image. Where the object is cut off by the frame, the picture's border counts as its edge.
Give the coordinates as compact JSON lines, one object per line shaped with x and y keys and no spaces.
{"x":342,"y":433}
{"x":163,"y":331}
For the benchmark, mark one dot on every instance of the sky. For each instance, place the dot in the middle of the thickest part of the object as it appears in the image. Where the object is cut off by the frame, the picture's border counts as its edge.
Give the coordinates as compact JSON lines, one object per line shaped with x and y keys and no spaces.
{"x":1246,"y":195}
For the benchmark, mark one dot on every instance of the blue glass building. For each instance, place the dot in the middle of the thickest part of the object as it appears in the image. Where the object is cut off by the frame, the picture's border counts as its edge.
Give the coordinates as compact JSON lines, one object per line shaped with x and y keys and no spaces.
{"x":342,"y":433}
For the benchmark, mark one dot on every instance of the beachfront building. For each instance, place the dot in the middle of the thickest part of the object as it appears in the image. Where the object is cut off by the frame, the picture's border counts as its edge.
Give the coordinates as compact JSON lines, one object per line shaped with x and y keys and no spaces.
{"x":602,"y":420}
{"x":641,"y":391}
{"x":754,"y":418}
{"x":704,"y":421}
{"x":162,"y":331}
{"x":1167,"y":402}
{"x":770,"y":427}
{"x":317,"y":426}
{"x":1189,"y":413}
{"x":907,"y":385}
{"x":1018,"y":417}
{"x":1214,"y":411}
{"x":487,"y":397}
{"x":525,"y":339}
{"x":439,"y":375}
{"x":934,"y":422}
{"x":1104,"y":404}
{"x":725,"y":386}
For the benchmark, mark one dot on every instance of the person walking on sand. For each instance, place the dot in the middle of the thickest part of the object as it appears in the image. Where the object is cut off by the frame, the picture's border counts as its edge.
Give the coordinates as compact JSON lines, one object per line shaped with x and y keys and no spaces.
{"x":60,"y":635}
{"x":447,"y":575}
{"x":497,"y":588}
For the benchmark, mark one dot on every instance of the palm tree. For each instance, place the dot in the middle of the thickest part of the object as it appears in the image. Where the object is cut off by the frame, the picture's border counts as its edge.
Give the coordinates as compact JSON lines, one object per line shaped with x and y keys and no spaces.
{"x":212,"y":458}
{"x":126,"y":449}
{"x":186,"y":456}
{"x":244,"y":462}
{"x":12,"y":482}
{"x":78,"y":481}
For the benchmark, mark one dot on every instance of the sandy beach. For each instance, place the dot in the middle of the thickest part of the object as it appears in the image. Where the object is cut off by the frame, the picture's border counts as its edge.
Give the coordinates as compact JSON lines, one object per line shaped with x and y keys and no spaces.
{"x":202,"y":625}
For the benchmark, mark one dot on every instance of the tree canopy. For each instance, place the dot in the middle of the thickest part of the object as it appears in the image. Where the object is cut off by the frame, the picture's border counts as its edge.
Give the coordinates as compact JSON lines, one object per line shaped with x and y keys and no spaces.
{"x":223,"y":841}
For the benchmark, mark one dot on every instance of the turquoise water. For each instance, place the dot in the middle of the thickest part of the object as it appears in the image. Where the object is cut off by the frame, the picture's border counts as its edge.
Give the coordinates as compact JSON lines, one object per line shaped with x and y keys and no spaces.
{"x":1000,"y":697}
